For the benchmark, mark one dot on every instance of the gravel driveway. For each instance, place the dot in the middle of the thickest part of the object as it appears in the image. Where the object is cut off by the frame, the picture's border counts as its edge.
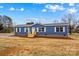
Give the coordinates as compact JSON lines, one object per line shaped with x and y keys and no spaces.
{"x":7,"y":35}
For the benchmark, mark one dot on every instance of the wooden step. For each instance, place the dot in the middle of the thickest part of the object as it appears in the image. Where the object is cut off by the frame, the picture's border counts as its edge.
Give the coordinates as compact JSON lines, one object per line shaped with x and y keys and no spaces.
{"x":31,"y":35}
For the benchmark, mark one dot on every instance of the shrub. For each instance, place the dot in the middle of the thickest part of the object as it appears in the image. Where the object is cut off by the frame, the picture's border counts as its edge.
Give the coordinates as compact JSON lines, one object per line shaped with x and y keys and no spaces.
{"x":6,"y":30}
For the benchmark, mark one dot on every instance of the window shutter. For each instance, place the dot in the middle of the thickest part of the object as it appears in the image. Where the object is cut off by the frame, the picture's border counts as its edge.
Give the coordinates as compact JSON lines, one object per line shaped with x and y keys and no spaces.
{"x":44,"y":29}
{"x":15,"y":29}
{"x":24,"y":29}
{"x":54,"y":29}
{"x":37,"y":29}
{"x":19,"y":29}
{"x":63,"y":29}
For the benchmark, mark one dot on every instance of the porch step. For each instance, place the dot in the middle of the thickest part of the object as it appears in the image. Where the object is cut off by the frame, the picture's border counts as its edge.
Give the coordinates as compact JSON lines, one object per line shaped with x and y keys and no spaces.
{"x":31,"y":35}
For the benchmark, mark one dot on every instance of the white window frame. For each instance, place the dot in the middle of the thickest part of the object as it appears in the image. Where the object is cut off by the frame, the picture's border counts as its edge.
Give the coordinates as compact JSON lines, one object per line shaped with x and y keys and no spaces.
{"x":59,"y":29}
{"x":19,"y":29}
{"x":25,"y":29}
{"x":33,"y":29}
{"x":16,"y":29}
{"x":41,"y":29}
{"x":63,"y":29}
{"x":28,"y":30}
{"x":37,"y":29}
{"x":44,"y":29}
{"x":54,"y":29}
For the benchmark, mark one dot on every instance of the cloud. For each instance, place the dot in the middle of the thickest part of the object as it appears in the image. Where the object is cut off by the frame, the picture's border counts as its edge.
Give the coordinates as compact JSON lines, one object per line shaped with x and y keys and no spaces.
{"x":16,"y":9}
{"x":12,"y":9}
{"x":55,"y":8}
{"x":44,"y":10}
{"x":72,"y":10}
{"x":71,"y":4}
{"x":22,"y":9}
{"x":1,"y":6}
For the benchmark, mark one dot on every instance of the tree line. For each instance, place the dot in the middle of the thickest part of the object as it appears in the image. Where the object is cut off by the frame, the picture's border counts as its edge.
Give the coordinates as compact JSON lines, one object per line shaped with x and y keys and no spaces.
{"x":73,"y":23}
{"x":6,"y":24}
{"x":71,"y":20}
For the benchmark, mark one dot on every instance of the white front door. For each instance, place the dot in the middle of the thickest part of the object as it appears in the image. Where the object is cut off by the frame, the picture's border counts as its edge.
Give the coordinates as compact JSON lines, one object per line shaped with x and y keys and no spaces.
{"x":33,"y":30}
{"x":28,"y":30}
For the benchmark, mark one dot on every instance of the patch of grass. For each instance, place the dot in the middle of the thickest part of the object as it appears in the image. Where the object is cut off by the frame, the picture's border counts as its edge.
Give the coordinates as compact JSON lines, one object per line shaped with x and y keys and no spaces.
{"x":40,"y":46}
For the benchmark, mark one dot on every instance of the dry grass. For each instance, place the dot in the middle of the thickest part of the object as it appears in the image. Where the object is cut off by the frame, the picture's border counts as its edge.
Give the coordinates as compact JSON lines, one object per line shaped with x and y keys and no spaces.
{"x":40,"y":46}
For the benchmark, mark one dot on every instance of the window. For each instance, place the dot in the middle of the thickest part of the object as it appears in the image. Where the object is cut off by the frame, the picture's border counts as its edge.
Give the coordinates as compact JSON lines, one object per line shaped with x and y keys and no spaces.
{"x":17,"y":30}
{"x":57,"y":29}
{"x":25,"y":29}
{"x":42,"y":29}
{"x":37,"y":29}
{"x":60,"y":29}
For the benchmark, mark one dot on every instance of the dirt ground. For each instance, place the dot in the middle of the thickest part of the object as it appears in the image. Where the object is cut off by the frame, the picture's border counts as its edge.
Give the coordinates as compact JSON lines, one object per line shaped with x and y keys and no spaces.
{"x":39,"y":46}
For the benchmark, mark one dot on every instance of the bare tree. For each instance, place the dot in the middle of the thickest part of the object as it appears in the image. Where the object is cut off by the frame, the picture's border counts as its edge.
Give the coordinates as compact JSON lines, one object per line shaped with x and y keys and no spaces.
{"x":71,"y":20}
{"x":7,"y":21}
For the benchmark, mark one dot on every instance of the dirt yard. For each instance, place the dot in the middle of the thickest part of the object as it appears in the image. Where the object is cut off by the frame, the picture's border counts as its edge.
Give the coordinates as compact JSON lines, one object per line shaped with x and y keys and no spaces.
{"x":21,"y":46}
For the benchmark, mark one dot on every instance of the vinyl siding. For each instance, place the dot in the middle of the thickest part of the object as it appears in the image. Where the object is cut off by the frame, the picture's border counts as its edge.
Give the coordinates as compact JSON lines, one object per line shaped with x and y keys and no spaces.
{"x":48,"y":30}
{"x":22,"y":33}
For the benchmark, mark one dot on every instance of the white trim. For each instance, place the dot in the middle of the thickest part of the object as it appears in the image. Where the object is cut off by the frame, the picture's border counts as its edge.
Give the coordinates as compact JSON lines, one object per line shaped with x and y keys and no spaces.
{"x":33,"y":29}
{"x":37,"y":29}
{"x":44,"y":29}
{"x":25,"y":29}
{"x":28,"y":30}
{"x":16,"y":29}
{"x":54,"y":29}
{"x":19,"y":29}
{"x":63,"y":29}
{"x":40,"y":29}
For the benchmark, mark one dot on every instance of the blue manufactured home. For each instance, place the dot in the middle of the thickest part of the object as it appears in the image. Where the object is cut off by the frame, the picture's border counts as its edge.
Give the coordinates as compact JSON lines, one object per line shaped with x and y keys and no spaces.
{"x":31,"y":30}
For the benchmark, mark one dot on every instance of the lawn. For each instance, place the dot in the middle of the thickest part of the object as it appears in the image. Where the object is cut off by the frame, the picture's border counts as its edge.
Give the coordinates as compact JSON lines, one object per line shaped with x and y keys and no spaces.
{"x":20,"y":46}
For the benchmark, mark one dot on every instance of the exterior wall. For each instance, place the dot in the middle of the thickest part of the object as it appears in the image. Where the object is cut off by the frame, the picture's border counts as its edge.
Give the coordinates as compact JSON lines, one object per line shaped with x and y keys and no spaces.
{"x":22,"y":33}
{"x":49,"y":31}
{"x":36,"y":26}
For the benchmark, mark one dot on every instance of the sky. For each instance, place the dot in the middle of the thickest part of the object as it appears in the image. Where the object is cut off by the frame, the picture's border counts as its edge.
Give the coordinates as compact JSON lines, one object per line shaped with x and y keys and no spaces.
{"x":22,"y":13}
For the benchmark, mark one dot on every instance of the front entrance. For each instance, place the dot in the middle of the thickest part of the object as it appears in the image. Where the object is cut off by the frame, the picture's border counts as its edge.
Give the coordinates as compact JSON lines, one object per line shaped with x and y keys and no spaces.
{"x":31,"y":33}
{"x":33,"y":30}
